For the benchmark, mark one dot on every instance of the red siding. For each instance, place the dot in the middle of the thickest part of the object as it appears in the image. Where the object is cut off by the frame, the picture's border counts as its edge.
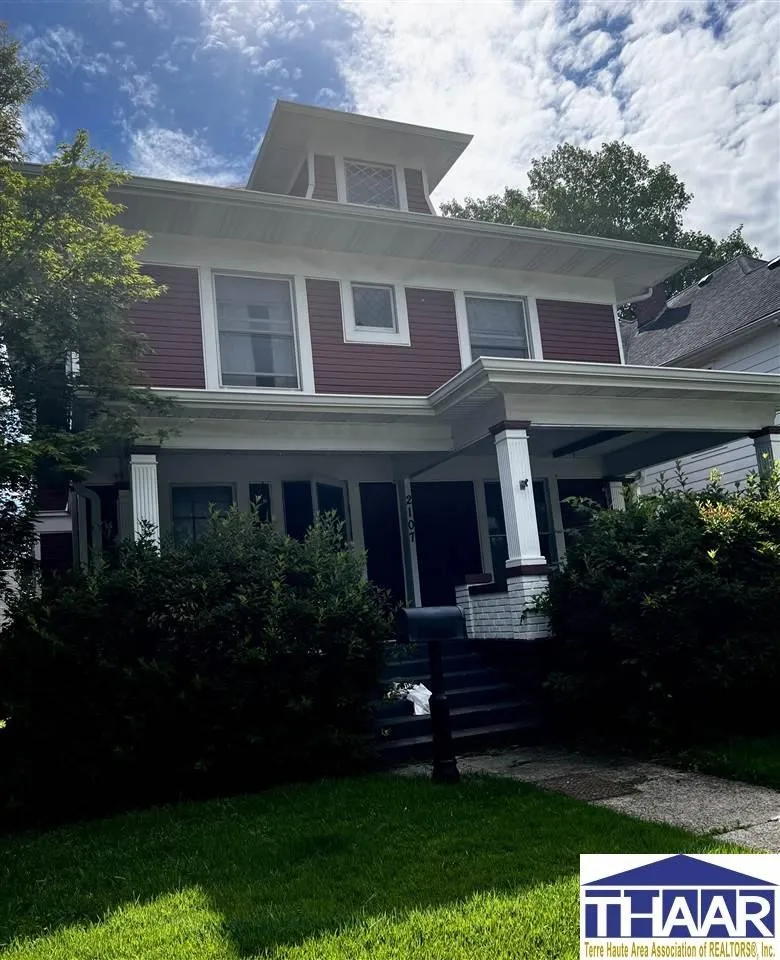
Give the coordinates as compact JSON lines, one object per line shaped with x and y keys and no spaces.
{"x":171,"y":323}
{"x":363,"y":368}
{"x":578,"y":331}
{"x":324,"y":178}
{"x":415,"y":191}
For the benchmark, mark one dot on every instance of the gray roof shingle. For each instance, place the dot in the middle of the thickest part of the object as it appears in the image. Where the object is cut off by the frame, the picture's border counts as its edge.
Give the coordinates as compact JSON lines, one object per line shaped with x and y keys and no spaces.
{"x":736,"y":294}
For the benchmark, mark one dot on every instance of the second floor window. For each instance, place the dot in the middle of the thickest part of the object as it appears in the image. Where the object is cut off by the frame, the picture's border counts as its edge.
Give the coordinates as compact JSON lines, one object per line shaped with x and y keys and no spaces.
{"x":256,"y":332}
{"x":371,"y":183}
{"x":374,"y":307}
{"x":497,"y":327}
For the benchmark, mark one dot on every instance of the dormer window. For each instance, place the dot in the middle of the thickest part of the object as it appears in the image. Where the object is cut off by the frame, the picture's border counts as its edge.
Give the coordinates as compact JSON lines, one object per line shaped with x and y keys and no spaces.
{"x":373,"y":184}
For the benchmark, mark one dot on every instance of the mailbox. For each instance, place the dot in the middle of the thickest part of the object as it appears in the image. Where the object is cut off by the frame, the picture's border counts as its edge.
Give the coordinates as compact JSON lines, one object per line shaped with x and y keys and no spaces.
{"x":422,"y":624}
{"x":436,"y":626}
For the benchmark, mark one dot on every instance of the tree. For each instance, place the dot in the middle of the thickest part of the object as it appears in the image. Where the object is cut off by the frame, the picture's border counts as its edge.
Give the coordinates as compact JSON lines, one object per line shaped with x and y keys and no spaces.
{"x":611,"y":192}
{"x":68,"y":274}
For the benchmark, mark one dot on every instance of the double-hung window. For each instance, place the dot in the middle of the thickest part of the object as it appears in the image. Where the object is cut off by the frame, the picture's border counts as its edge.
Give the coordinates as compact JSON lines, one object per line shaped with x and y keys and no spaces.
{"x":256,"y":332}
{"x":498,"y":326}
{"x":373,"y":184}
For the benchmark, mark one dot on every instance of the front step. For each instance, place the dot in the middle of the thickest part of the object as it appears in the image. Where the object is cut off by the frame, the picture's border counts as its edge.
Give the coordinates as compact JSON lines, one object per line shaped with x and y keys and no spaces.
{"x":395,"y":752}
{"x":486,"y":710}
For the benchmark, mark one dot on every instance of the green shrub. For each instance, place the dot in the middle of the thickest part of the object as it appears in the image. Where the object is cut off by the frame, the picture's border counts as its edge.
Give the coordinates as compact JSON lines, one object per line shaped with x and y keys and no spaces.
{"x":666,"y":619}
{"x":242,"y":659}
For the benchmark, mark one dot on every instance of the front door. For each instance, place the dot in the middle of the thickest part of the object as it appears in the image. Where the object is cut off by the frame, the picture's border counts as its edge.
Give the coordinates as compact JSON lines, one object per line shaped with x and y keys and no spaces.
{"x":447,"y":538}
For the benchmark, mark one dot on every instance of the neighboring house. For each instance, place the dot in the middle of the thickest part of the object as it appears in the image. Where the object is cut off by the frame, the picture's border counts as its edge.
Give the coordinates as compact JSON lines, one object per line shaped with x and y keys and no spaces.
{"x":729,"y":320}
{"x":442,"y":384}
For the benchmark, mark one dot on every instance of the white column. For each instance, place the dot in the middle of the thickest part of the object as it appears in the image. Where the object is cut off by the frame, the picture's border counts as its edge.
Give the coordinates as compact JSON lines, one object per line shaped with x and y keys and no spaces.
{"x":143,"y":482}
{"x":617,"y":495}
{"x":767,"y":444}
{"x":517,"y":494}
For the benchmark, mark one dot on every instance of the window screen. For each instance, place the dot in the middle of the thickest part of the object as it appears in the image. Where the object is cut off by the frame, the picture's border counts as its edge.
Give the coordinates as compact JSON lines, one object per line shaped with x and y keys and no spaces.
{"x":256,"y":335}
{"x":497,"y":328}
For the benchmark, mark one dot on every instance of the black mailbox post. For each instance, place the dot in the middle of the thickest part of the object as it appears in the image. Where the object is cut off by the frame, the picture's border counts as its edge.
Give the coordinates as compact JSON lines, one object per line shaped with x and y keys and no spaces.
{"x":437,"y":626}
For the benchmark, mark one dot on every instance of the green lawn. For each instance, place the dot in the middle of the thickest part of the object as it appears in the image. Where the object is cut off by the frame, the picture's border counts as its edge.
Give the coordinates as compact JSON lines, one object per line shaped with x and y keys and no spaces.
{"x":366,"y":869}
{"x":752,"y":759}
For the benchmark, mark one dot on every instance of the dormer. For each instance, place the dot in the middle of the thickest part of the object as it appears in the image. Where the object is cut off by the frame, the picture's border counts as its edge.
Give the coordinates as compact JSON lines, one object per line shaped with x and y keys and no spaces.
{"x":347,"y":158}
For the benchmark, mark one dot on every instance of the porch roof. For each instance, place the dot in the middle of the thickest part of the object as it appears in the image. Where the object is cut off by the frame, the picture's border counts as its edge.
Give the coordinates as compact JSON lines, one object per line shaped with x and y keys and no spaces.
{"x":631,"y":417}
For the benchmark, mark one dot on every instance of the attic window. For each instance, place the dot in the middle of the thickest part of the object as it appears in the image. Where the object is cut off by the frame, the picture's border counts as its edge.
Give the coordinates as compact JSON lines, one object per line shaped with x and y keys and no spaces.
{"x":773,"y":263}
{"x":704,"y":280}
{"x":373,"y":184}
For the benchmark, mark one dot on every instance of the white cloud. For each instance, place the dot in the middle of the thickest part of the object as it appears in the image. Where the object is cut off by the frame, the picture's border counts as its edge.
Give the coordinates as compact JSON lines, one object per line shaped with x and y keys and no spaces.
{"x":248,"y":27}
{"x":141,"y":90}
{"x":521,"y":78}
{"x":174,"y":155}
{"x":39,"y":133}
{"x":64,"y":48}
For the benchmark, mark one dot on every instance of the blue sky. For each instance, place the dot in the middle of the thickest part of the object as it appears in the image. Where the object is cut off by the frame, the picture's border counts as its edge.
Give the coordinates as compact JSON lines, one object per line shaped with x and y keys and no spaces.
{"x":183,"y":88}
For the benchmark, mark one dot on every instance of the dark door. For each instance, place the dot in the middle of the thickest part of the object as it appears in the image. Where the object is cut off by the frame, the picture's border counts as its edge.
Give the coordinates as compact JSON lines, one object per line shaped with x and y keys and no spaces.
{"x":447,"y":537}
{"x":382,"y":537}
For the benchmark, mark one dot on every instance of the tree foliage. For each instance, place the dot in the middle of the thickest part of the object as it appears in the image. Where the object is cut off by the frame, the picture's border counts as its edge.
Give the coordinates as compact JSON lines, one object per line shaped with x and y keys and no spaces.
{"x":666,"y":619}
{"x":241,"y":659}
{"x":612,"y":192}
{"x":68,"y":274}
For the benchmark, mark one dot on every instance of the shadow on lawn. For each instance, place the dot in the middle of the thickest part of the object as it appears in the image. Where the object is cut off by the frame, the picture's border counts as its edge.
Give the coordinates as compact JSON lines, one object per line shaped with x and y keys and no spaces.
{"x":305,"y":860}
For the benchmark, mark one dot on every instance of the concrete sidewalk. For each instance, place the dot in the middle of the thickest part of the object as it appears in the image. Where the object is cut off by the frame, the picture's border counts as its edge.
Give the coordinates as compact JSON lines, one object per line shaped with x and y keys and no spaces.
{"x":732,"y":811}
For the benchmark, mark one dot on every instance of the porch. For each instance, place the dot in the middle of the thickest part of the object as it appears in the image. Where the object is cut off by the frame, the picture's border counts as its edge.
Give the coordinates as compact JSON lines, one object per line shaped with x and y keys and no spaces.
{"x":459,"y":496}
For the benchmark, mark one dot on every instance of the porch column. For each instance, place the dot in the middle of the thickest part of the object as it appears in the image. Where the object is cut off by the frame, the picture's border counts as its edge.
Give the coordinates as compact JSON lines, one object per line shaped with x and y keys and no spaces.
{"x":767,"y":444}
{"x":616,"y":493}
{"x":517,"y":496}
{"x":526,"y":568}
{"x":143,"y":483}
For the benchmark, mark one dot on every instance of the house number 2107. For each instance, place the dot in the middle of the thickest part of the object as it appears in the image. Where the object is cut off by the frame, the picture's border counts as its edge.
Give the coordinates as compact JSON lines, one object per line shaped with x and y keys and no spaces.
{"x":409,"y":518}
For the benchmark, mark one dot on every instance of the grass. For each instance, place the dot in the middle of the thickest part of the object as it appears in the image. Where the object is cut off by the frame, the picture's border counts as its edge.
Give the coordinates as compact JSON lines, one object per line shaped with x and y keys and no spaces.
{"x":367,"y":869}
{"x":752,"y":759}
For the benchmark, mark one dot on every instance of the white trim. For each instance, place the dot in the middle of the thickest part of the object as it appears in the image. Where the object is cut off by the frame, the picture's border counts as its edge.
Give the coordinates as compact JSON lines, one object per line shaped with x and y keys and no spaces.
{"x":426,"y":190}
{"x":617,"y":333}
{"x":556,"y":516}
{"x":50,"y":522}
{"x":303,"y":334}
{"x":354,"y":334}
{"x":310,"y":166}
{"x":534,"y":329}
{"x":145,"y":493}
{"x":462,"y":321}
{"x":341,"y":183}
{"x":506,"y":297}
{"x":208,"y":324}
{"x":400,"y":180}
{"x":297,"y":348}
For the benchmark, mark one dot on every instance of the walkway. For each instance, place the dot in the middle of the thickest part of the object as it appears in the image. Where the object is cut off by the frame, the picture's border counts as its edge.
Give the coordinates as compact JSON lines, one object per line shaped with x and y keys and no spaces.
{"x":736,"y":812}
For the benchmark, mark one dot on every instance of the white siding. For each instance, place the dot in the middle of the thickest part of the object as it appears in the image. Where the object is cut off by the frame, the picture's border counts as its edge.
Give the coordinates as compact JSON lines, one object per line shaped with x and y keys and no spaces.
{"x":759,"y":354}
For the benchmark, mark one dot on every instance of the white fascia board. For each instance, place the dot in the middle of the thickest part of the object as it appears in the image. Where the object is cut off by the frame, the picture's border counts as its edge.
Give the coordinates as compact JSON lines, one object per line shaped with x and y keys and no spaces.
{"x":233,"y":196}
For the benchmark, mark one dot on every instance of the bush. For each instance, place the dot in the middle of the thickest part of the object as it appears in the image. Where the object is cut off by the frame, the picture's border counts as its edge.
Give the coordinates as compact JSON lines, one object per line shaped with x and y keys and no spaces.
{"x":666,"y":619}
{"x":227,"y":664}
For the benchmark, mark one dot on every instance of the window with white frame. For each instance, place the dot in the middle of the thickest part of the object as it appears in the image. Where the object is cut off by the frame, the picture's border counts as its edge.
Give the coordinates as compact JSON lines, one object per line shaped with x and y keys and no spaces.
{"x":498,"y":326}
{"x":256,"y":332}
{"x":373,"y":184}
{"x":374,"y":313}
{"x":374,"y":307}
